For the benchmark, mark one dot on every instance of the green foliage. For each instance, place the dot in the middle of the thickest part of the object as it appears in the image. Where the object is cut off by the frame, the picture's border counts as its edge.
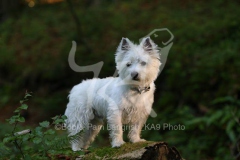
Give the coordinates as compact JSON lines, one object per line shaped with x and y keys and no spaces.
{"x":18,"y":118}
{"x":213,"y":134}
{"x":40,"y":142}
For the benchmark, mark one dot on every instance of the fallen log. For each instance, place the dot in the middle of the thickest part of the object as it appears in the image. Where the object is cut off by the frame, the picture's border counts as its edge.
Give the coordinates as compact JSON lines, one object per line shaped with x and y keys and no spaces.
{"x":142,"y":150}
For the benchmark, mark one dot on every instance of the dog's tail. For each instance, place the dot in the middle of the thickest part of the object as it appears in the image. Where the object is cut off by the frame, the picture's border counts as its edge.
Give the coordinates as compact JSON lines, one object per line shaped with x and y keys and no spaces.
{"x":78,"y":116}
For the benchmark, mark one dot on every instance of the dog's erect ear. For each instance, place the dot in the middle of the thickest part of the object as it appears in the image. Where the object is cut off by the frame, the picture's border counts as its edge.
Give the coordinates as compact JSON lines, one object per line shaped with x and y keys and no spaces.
{"x":147,"y":44}
{"x":125,"y":44}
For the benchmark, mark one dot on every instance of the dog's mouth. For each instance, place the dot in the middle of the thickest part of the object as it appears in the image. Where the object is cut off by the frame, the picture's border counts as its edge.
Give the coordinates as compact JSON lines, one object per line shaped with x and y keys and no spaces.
{"x":136,"y":79}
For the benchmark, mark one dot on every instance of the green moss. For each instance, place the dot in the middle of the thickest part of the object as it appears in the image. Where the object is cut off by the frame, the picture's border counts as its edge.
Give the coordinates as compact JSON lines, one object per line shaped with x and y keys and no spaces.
{"x":109,"y":152}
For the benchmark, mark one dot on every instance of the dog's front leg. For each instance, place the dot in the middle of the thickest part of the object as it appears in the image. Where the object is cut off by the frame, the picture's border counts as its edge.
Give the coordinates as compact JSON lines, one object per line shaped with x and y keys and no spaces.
{"x":135,"y":132}
{"x":114,"y":119}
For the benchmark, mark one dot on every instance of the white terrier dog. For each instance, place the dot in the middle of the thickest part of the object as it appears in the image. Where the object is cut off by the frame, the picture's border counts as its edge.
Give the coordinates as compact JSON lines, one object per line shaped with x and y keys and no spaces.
{"x":126,"y":99}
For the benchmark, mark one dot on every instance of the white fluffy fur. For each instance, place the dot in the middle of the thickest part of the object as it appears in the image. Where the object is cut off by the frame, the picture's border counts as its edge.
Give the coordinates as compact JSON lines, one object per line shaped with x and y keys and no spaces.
{"x":116,"y":99}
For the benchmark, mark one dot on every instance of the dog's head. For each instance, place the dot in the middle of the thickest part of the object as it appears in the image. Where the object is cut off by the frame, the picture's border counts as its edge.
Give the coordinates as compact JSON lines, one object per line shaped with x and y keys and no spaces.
{"x":138,"y":64}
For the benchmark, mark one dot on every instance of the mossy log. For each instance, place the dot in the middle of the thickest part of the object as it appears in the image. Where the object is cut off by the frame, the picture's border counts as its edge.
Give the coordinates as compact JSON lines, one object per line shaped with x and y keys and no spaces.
{"x":142,"y":150}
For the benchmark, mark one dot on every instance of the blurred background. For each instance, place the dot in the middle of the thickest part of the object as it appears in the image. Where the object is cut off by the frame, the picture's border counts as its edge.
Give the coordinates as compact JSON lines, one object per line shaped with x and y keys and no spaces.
{"x":198,"y":88}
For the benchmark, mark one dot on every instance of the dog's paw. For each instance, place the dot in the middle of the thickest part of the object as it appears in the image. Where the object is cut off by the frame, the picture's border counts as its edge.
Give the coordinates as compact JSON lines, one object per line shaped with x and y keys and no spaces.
{"x":142,"y":140}
{"x":76,"y":147}
{"x":117,"y":144}
{"x":138,"y":140}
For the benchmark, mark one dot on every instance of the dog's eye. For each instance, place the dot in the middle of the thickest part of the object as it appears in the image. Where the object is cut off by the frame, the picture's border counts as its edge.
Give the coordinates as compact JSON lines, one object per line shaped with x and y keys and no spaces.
{"x":143,"y":63}
{"x":128,"y":64}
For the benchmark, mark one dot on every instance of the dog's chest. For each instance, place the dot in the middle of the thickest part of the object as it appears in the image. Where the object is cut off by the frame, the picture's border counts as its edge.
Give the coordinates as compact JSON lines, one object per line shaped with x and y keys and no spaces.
{"x":134,"y":108}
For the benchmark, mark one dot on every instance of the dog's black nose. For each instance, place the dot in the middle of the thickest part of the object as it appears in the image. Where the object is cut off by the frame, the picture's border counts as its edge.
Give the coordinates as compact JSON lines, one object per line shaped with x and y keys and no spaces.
{"x":134,"y":75}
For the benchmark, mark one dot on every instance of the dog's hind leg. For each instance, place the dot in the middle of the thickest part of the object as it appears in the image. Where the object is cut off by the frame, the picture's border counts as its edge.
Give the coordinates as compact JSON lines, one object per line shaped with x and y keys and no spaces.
{"x":77,"y":144}
{"x":91,"y":132}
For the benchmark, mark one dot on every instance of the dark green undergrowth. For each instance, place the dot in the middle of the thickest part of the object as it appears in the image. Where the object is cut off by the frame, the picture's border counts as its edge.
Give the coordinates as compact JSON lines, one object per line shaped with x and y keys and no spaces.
{"x":41,"y":142}
{"x":199,"y":87}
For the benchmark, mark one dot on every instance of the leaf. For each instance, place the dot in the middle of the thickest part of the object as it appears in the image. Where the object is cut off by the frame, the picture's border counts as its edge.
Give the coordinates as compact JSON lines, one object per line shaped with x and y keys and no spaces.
{"x":27,"y":95}
{"x":49,"y":132}
{"x":38,"y":131}
{"x":54,"y":118}
{"x":231,"y":135}
{"x":57,"y":121}
{"x":48,"y":142}
{"x":25,"y":137}
{"x":44,"y":124}
{"x":4,"y":149}
{"x":11,"y":120}
{"x":230,"y":125}
{"x":23,"y":106}
{"x":64,"y":117}
{"x":21,"y":119}
{"x":17,"y":110}
{"x":215,"y":117}
{"x":227,"y":99}
{"x":195,"y":121}
{"x":8,"y":139}
{"x":230,"y":130}
{"x":227,"y":117}
{"x":37,"y":140}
